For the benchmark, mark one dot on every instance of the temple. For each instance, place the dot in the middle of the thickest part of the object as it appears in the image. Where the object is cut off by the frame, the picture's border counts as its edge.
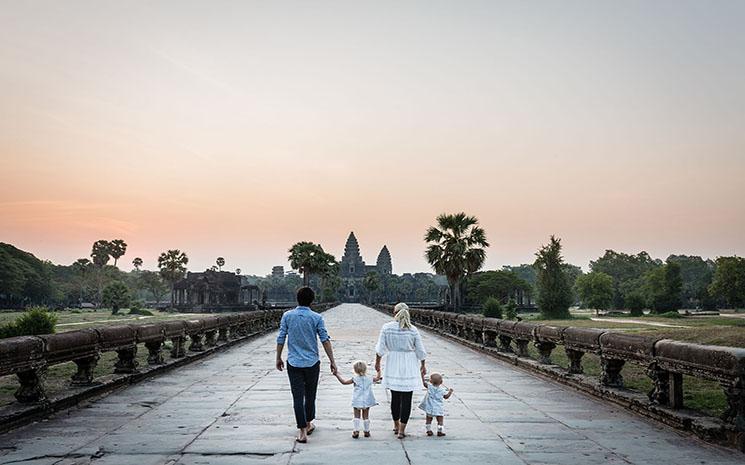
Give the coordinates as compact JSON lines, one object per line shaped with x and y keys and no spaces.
{"x":353,"y":268}
{"x":214,"y":291}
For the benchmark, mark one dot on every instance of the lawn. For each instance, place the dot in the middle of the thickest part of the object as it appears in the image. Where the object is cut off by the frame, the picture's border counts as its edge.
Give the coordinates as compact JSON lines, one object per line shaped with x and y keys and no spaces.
{"x":706,"y":396}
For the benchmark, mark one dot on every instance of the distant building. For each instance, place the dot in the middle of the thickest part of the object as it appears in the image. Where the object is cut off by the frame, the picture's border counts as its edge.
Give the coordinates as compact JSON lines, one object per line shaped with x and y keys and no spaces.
{"x":353,"y":268}
{"x":214,"y":291}
{"x":278,"y":271}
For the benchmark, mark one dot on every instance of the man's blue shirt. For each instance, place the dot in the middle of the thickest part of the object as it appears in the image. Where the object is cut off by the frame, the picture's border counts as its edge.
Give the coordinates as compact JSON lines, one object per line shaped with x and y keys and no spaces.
{"x":300,"y":327}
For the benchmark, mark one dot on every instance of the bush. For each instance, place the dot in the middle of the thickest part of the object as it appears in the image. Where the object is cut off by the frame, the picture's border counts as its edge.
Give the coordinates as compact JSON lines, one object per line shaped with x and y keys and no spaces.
{"x":36,"y":320}
{"x":510,"y":310}
{"x":672,"y":314}
{"x":636,"y":303}
{"x":136,"y":309}
{"x":116,"y":296}
{"x":492,"y":308}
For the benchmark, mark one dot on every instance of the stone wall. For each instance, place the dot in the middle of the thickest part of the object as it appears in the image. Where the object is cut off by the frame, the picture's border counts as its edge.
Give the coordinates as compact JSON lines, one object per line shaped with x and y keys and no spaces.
{"x":666,"y":362}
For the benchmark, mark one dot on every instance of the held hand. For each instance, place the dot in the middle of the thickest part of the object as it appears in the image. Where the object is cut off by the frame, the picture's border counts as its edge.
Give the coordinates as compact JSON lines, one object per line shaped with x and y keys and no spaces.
{"x":333,"y":368}
{"x":423,"y":370}
{"x":280,"y":364}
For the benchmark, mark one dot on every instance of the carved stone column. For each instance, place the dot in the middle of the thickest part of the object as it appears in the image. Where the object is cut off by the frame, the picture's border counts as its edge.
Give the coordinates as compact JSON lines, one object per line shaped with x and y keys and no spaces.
{"x":490,"y":338}
{"x":32,"y":386}
{"x":84,"y":375}
{"x":155,"y":353}
{"x":233,"y":332}
{"x":178,"y":349}
{"x":611,"y":372}
{"x":504,"y":344}
{"x":222,"y":334}
{"x":575,"y":361}
{"x":210,"y":338}
{"x":660,"y":392}
{"x":544,"y":351}
{"x":522,"y":347}
{"x":126,"y":362}
{"x":196,"y":342}
{"x":735,"y":412}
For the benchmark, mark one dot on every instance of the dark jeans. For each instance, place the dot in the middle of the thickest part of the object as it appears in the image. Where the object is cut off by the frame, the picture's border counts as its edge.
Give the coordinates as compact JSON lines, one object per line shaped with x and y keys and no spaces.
{"x":401,"y":406}
{"x":304,"y":383}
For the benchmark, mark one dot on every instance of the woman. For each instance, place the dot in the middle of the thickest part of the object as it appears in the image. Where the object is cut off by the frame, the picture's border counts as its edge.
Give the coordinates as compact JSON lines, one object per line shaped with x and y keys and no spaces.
{"x":401,"y":344}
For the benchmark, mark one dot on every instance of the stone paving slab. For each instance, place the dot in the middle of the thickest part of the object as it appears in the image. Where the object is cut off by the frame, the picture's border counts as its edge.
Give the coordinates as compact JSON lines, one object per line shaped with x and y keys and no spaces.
{"x":235,"y":409}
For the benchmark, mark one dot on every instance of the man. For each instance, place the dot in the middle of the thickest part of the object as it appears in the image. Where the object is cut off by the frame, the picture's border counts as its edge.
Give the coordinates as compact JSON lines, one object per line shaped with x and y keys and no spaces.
{"x":302,"y":327}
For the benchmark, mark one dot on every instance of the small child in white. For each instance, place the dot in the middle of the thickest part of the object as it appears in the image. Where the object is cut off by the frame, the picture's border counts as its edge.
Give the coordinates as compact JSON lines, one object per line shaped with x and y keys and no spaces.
{"x":433,"y":403}
{"x":362,"y":397}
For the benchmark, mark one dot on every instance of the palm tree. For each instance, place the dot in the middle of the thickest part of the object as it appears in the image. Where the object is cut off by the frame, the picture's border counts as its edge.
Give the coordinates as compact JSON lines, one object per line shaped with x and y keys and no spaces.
{"x":372,"y":284}
{"x":117,"y":248}
{"x":456,"y":248}
{"x":307,"y":258}
{"x":137,"y":263}
{"x":172,"y":264}
{"x":220,"y":262}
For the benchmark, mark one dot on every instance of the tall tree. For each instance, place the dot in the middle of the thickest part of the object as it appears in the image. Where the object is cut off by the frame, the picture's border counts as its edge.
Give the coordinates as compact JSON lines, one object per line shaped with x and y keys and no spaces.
{"x":663,"y":287}
{"x":626,"y":270}
{"x":153,"y":283}
{"x":595,"y":290}
{"x":172,"y":265}
{"x":554,"y":290}
{"x":220,"y":263}
{"x":117,"y":248}
{"x":371,"y":283}
{"x":729,"y":281}
{"x":116,"y":296}
{"x":500,"y":284}
{"x":137,"y":263}
{"x":82,"y":268}
{"x":697,"y":275}
{"x":456,"y":248}
{"x":307,"y":258}
{"x":101,"y":252}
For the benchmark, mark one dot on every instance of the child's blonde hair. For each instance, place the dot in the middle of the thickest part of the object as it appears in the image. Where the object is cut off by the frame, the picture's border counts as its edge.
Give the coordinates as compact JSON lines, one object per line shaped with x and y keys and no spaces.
{"x":360,"y":367}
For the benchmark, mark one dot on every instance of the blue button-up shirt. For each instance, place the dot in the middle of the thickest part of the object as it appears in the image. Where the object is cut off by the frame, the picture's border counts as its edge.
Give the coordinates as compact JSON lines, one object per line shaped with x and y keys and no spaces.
{"x":300,"y":327}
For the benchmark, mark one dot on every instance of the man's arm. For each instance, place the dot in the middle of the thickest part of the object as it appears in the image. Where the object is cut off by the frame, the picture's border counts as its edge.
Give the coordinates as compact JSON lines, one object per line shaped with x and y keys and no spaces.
{"x":280,"y":364}
{"x":330,"y":355}
{"x":281,"y":342}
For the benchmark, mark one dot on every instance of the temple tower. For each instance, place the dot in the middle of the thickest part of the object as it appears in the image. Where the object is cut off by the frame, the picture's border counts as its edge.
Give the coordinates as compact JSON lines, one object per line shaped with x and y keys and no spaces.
{"x":383,"y":264}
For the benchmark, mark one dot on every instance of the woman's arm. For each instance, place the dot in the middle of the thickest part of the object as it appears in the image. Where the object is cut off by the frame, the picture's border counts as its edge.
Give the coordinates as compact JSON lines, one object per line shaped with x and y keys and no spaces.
{"x":377,"y":364}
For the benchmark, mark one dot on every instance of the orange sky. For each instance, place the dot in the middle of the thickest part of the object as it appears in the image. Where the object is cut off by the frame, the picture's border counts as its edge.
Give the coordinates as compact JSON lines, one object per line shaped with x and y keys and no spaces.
{"x":236,"y":129}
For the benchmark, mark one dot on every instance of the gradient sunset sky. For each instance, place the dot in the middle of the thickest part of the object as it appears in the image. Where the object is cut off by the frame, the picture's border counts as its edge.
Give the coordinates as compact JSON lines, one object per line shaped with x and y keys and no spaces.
{"x":238,"y":128}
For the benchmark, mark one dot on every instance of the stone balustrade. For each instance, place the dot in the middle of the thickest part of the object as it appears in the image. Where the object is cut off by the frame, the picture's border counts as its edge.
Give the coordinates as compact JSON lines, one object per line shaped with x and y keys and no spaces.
{"x":665,"y":361}
{"x":28,"y":357}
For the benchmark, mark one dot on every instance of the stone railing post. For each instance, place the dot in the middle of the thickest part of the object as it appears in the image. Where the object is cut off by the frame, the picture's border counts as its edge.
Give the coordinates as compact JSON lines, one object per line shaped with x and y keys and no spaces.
{"x":222,"y":334}
{"x":32,"y":385}
{"x":544,"y":351}
{"x":84,"y":375}
{"x":196,"y":344}
{"x":660,"y":392}
{"x":505,"y":343}
{"x":154,"y":352}
{"x":178,"y":350}
{"x":126,"y":362}
{"x":611,"y":372}
{"x":735,"y":412}
{"x":575,"y":361}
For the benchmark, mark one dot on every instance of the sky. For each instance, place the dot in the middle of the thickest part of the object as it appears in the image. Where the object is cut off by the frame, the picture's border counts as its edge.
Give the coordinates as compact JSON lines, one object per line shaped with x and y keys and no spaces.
{"x":237,"y":128}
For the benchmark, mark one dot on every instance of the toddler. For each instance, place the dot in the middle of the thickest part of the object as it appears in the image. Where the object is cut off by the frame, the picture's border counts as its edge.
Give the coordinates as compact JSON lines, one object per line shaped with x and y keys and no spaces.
{"x":362,"y":397}
{"x":433,"y":403}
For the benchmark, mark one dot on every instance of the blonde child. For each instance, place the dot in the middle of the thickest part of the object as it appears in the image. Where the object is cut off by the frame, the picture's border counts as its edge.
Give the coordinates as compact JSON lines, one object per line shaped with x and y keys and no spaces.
{"x":362,"y":396}
{"x":433,"y":403}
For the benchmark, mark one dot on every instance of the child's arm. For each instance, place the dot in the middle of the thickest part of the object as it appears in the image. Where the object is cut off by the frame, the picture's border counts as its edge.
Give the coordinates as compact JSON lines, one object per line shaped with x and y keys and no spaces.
{"x":377,"y":378}
{"x":342,"y":380}
{"x":449,"y":393}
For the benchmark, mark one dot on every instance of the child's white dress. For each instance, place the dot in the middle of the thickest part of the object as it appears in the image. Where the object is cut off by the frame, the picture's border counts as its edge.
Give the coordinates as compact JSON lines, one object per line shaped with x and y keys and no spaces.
{"x":362,"y":396}
{"x":433,"y":403}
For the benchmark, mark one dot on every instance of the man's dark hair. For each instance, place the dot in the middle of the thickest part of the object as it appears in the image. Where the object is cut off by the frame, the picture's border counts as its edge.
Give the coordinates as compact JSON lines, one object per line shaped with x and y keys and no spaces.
{"x":305,"y":296}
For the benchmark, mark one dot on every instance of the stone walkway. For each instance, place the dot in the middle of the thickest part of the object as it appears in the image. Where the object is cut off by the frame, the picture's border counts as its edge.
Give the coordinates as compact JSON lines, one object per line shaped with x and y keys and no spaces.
{"x":234,"y":408}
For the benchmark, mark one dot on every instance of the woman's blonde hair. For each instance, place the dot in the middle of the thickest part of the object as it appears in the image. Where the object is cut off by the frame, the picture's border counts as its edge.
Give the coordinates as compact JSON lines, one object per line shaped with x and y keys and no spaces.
{"x":360,"y":367}
{"x":401,"y":314}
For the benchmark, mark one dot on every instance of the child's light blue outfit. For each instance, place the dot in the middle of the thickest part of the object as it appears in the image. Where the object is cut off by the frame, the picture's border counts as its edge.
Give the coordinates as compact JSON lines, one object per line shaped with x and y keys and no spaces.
{"x":433,"y":403}
{"x":363,"y":396}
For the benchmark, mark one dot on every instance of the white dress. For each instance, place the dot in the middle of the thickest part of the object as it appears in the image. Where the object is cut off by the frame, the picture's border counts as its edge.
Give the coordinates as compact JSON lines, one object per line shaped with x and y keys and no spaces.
{"x":362,"y":396}
{"x":433,"y":403}
{"x":403,"y":350}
